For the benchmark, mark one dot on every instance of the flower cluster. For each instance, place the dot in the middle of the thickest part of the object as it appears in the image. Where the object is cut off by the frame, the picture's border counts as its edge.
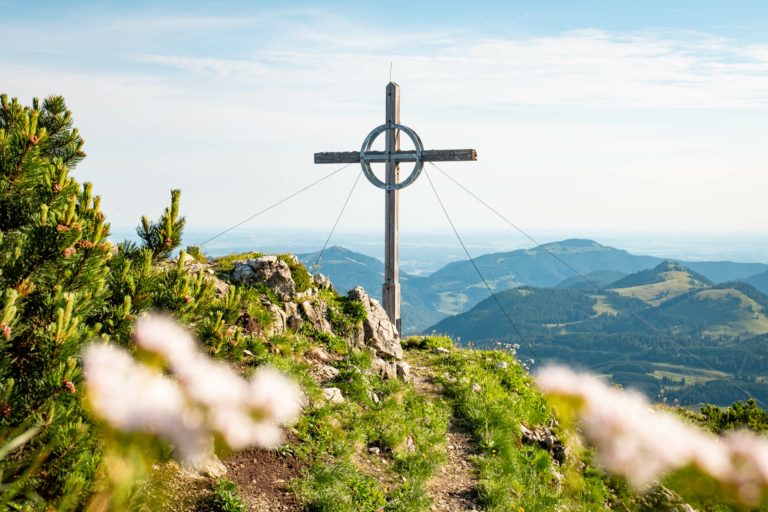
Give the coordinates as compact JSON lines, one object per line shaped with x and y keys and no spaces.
{"x":69,"y":251}
{"x":204,"y":397}
{"x":643,"y":444}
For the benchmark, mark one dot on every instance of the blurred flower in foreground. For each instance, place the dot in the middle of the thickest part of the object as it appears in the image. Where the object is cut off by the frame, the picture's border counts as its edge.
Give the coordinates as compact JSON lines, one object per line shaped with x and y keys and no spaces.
{"x":643,"y":445}
{"x":204,"y":397}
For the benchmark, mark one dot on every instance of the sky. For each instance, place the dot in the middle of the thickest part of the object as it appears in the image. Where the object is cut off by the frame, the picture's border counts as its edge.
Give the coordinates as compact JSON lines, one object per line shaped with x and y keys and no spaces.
{"x":586,"y":116}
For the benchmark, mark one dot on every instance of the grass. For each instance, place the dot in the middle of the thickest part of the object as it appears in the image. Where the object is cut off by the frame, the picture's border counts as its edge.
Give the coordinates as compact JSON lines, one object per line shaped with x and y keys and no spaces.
{"x":675,"y":283}
{"x":408,"y":429}
{"x":512,"y":476}
{"x":605,"y":305}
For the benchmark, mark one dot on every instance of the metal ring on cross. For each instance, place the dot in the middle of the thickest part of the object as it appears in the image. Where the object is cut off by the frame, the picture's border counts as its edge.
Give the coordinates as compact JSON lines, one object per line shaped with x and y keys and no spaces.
{"x":365,"y":160}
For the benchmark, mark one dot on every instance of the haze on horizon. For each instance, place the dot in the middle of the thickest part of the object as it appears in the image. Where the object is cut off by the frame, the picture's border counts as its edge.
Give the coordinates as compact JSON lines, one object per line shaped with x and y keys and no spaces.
{"x":583,"y":120}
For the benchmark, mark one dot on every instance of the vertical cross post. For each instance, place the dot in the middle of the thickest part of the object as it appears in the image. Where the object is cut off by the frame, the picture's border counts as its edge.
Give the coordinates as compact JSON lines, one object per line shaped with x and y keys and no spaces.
{"x":391,"y":290}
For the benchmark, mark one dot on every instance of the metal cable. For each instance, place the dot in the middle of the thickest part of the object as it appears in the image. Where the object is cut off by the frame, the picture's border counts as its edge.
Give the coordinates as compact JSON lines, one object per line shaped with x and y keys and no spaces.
{"x":609,"y":295}
{"x":478,"y":270}
{"x":338,"y":219}
{"x":277,"y":203}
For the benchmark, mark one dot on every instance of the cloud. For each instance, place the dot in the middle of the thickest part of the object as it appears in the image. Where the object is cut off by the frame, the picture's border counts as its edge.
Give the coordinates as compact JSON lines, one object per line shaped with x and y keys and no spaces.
{"x":587,"y":121}
{"x":587,"y":68}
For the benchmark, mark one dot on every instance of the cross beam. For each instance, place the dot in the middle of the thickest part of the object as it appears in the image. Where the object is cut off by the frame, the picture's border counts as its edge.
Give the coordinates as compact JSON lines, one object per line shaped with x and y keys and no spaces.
{"x":391,"y":157}
{"x":430,"y":155}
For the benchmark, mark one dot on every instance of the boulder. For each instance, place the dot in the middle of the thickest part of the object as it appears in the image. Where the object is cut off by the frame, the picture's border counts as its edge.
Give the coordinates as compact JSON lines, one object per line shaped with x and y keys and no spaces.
{"x":322,"y":282}
{"x":188,"y":260}
{"x":403,"y":370}
{"x":222,"y":287}
{"x":441,"y":350}
{"x":317,"y":315}
{"x":319,"y":354}
{"x":378,"y":331}
{"x":269,"y":271}
{"x":294,"y":323}
{"x":206,"y":463}
{"x":280,"y":324}
{"x":333,"y":395}
{"x":325,"y":372}
{"x":291,"y":308}
{"x":384,"y":369}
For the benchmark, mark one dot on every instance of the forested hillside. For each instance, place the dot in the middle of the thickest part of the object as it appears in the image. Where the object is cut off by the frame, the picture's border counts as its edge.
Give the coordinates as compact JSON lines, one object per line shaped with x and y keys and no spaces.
{"x":456,"y":288}
{"x":725,"y":325}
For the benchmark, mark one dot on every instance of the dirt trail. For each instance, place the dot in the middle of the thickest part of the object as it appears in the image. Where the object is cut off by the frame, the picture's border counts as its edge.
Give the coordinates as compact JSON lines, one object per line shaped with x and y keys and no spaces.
{"x":454,"y":488}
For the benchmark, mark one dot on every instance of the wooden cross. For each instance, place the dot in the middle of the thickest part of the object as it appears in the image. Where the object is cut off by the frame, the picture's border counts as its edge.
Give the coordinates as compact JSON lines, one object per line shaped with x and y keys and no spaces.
{"x":391,"y":157}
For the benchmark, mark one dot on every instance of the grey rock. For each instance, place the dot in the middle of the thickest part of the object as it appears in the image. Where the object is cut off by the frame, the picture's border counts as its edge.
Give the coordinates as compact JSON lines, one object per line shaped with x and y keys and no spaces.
{"x":374,"y":397}
{"x":319,"y":353}
{"x":326,"y":372}
{"x":441,"y":350}
{"x":291,"y":308}
{"x":279,"y":325}
{"x":206,"y":463}
{"x":378,"y":331}
{"x":333,"y":395}
{"x":222,"y":287}
{"x":410,"y":444}
{"x":374,"y":450}
{"x":269,"y":271}
{"x":549,"y":442}
{"x":294,"y":323}
{"x":317,"y":315}
{"x":384,"y":369}
{"x":502,"y":366}
{"x":322,"y":282}
{"x":403,"y":370}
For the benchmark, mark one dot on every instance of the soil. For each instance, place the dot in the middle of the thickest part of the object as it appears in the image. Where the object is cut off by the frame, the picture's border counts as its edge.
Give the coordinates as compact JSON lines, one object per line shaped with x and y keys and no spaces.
{"x":455,"y":487}
{"x":263,"y":478}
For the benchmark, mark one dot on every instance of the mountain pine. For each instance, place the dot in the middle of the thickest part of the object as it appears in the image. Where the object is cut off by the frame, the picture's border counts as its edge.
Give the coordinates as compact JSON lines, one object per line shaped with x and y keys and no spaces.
{"x":54,"y":259}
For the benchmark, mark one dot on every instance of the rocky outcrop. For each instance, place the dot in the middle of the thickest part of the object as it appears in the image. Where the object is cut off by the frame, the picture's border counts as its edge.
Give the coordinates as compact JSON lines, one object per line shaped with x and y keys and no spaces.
{"x":333,"y":395}
{"x":378,"y":331}
{"x":322,"y":282}
{"x":317,"y":315}
{"x":661,"y":499}
{"x":293,"y":320}
{"x":544,"y":437}
{"x":391,"y":369}
{"x":206,"y":463}
{"x":280,"y":324}
{"x":269,"y":271}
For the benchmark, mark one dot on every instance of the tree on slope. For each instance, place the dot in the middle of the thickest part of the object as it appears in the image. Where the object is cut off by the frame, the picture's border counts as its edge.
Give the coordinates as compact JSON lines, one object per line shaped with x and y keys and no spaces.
{"x":53,"y":264}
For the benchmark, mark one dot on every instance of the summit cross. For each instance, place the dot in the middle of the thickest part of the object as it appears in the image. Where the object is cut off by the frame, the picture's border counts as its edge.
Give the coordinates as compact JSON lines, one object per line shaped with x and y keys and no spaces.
{"x":391,"y":157}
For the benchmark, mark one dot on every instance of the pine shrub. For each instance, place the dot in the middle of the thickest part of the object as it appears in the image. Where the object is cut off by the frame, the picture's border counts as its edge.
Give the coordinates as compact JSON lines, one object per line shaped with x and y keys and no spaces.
{"x":54,"y":259}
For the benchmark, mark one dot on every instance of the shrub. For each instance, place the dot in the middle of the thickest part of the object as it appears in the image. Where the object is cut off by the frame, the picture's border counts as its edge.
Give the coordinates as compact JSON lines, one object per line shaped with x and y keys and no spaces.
{"x":299,"y":273}
{"x":53,"y":286}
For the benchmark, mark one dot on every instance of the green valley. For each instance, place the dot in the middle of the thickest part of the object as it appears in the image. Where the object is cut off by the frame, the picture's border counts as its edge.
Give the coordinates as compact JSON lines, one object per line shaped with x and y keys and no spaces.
{"x":724,"y":325}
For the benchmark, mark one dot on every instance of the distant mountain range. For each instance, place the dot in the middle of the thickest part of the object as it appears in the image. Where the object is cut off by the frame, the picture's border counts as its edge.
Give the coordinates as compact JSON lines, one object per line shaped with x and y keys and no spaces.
{"x":725,"y":325}
{"x":456,"y":287}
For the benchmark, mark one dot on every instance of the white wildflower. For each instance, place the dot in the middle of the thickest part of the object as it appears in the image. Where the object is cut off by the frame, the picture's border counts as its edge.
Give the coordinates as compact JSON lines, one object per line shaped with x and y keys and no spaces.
{"x":133,"y":398}
{"x":201,"y":397}
{"x":162,"y":336}
{"x":643,"y":447}
{"x":274,"y":395}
